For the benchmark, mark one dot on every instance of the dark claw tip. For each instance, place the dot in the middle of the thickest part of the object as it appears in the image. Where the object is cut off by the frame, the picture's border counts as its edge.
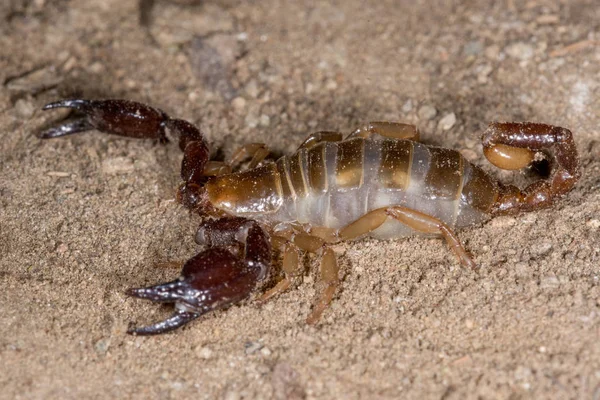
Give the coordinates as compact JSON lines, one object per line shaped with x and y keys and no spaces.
{"x":73,"y":103}
{"x":50,"y":106}
{"x":177,"y":320}
{"x":141,"y":293}
{"x":133,"y":292}
{"x":168,"y":292}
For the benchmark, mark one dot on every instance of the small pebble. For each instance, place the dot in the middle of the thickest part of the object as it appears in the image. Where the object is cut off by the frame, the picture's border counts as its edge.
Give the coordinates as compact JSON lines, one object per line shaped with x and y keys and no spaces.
{"x":117,"y":165}
{"x":252,"y":347}
{"x":549,"y":282}
{"x":96,"y":67}
{"x":593,"y":223}
{"x":70,"y":64}
{"x":447,"y":121}
{"x":265,"y":120}
{"x":492,"y":52}
{"x":238,"y":104}
{"x":473,"y":48}
{"x":265,"y":351}
{"x":547,"y":19}
{"x":331,"y":85}
{"x":62,"y":249}
{"x":205,"y":353}
{"x":252,"y":89}
{"x":34,"y":81}
{"x":58,"y":174}
{"x":427,"y":112}
{"x":540,"y":249}
{"x":24,"y":108}
{"x":520,"y":50}
{"x":483,"y":73}
{"x":464,"y":360}
{"x":102,"y":345}
{"x":251,"y":120}
{"x":523,"y":270}
{"x":309,"y":88}
{"x":502,"y":222}
{"x":232,"y":395}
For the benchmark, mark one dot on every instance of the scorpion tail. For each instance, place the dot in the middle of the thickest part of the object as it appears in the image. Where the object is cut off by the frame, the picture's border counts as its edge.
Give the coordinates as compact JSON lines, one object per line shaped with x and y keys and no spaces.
{"x":510,"y":145}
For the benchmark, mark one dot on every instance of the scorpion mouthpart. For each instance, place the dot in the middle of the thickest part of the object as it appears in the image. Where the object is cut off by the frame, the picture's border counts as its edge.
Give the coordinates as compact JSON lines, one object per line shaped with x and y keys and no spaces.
{"x":177,"y":320}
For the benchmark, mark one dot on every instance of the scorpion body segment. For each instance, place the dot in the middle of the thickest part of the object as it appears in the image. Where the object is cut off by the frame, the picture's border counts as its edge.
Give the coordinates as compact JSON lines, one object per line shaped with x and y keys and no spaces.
{"x":332,"y":184}
{"x":379,"y":181}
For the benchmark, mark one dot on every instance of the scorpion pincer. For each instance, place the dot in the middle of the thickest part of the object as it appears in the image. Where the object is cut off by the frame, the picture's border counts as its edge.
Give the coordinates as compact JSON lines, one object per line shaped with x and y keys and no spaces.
{"x":379,"y":182}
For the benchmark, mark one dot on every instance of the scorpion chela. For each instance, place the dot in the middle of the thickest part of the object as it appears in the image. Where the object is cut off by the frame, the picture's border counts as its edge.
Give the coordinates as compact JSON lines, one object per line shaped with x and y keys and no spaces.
{"x":379,"y":181}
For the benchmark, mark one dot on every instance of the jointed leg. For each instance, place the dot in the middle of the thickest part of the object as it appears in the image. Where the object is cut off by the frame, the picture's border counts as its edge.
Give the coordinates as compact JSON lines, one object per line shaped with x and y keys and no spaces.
{"x":427,"y":224}
{"x":291,"y":269}
{"x":330,"y":278}
{"x":364,"y":225}
{"x":291,"y":266}
{"x":392,"y":130}
{"x":216,"y":168}
{"x":416,"y":220}
{"x":258,"y":152}
{"x":329,"y":269}
{"x":291,"y":260}
{"x":320,"y":137}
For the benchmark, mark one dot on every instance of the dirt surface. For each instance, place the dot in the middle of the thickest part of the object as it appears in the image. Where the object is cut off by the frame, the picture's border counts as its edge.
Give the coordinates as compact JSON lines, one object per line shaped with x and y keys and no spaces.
{"x":85,"y":217}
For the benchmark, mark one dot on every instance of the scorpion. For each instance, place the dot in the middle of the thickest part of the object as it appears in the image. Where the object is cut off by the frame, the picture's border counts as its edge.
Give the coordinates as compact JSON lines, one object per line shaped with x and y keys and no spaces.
{"x":379,"y":181}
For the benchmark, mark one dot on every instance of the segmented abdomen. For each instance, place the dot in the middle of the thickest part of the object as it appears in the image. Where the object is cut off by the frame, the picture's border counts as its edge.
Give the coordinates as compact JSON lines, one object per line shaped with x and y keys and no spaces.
{"x":333,"y":184}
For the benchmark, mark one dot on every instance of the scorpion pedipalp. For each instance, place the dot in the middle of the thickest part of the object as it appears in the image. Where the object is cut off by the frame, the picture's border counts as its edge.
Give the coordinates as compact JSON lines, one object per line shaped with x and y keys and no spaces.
{"x":215,"y":278}
{"x":137,"y":120}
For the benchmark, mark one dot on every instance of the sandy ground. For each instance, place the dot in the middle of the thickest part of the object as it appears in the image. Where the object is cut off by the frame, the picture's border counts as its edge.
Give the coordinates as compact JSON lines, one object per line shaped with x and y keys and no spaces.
{"x":85,"y":217}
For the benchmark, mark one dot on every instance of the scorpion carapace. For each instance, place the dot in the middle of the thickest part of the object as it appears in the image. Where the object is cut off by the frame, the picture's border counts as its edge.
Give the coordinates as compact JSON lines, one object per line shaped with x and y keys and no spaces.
{"x":378,"y":181}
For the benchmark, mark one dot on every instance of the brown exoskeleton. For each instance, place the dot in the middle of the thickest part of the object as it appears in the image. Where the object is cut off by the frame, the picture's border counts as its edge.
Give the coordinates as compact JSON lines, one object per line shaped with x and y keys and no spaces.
{"x":379,"y":181}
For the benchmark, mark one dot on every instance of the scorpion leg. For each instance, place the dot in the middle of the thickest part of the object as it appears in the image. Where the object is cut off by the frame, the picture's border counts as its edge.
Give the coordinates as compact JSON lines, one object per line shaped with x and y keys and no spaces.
{"x":329,"y":272}
{"x":137,"y":120}
{"x":258,"y":152}
{"x":365,"y":224}
{"x":291,"y":268}
{"x":291,"y":265}
{"x":414,"y":219}
{"x":319,"y":137}
{"x":392,"y":130}
{"x":330,"y":277}
{"x":511,"y":145}
{"x":427,"y":224}
{"x":216,"y":168}
{"x":226,"y":273}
